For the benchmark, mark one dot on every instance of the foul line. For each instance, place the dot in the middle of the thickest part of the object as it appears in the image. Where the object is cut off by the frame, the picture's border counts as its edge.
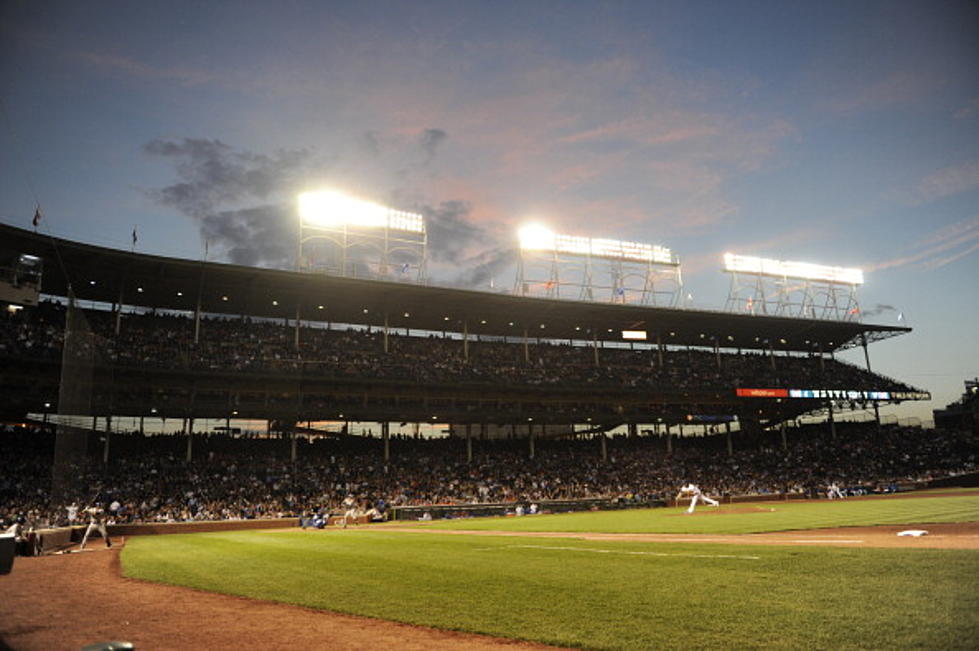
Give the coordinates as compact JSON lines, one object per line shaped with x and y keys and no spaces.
{"x":624,"y":552}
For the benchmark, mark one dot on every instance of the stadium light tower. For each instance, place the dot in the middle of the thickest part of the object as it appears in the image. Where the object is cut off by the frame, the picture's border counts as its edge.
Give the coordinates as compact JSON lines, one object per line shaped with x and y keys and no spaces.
{"x":637,"y":273}
{"x":799,"y":289}
{"x":348,"y":236}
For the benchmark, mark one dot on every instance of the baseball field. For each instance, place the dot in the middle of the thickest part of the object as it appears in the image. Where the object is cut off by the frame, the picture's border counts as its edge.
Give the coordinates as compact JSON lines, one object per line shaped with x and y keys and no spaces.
{"x":827,"y":575}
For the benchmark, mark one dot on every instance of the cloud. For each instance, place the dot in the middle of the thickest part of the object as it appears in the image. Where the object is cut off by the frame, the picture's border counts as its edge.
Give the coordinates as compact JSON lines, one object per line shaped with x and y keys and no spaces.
{"x":967,"y":111}
{"x":483,"y":269}
{"x":896,"y":88}
{"x":231,"y":195}
{"x":938,"y":263}
{"x":429,"y":140}
{"x":132,"y":67}
{"x":933,"y":248}
{"x":947,"y":182}
{"x":242,"y":201}
{"x":261,"y":236}
{"x":878,"y":309}
{"x":370,"y":143}
{"x":449,"y":232}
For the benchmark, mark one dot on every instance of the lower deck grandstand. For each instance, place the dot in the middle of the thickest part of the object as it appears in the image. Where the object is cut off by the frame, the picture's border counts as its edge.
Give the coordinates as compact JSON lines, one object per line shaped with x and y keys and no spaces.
{"x":148,"y":479}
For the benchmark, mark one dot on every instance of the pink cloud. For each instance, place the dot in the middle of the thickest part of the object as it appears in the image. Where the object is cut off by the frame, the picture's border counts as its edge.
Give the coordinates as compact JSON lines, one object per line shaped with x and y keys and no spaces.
{"x":964,"y":232}
{"x":895,"y":89}
{"x":132,"y":67}
{"x":968,"y":111}
{"x":947,"y":182}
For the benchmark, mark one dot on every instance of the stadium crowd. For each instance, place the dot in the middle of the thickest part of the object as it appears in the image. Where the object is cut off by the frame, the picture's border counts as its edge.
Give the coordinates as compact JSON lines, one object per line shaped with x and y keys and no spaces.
{"x":148,"y":479}
{"x":245,"y":346}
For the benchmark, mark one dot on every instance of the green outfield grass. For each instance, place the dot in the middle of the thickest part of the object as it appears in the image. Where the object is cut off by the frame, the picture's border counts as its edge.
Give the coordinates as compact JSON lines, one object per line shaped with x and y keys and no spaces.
{"x":752,"y":517}
{"x":608,"y":595}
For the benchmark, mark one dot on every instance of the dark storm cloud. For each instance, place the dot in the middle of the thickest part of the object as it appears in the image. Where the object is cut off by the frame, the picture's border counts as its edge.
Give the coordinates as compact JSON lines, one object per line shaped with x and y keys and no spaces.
{"x":452,"y":240}
{"x":449,"y":233}
{"x":261,"y":236}
{"x":370,"y":143}
{"x":429,"y":140}
{"x":878,"y":309}
{"x":232,"y":195}
{"x":212,"y":175}
{"x":486,"y":267}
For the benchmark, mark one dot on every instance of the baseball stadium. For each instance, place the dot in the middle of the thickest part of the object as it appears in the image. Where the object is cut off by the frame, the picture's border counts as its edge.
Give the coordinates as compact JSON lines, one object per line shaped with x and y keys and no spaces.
{"x":349,"y":456}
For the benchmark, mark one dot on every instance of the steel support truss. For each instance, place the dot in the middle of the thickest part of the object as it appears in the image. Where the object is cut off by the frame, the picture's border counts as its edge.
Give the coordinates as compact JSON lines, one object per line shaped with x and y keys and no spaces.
{"x":768,"y":295}
{"x":376,"y":253}
{"x":552,"y":274}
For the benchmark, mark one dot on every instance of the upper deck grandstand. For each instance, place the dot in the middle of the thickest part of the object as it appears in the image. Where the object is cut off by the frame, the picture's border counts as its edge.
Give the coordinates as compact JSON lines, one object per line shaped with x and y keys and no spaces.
{"x":189,"y":339}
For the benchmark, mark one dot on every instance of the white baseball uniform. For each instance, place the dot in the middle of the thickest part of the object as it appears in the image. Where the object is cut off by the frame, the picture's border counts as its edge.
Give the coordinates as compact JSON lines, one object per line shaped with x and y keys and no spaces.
{"x":696,"y":495}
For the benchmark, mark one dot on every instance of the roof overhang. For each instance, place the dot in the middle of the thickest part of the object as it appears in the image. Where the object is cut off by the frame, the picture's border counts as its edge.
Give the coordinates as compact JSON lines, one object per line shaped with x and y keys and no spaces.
{"x":108,"y":275}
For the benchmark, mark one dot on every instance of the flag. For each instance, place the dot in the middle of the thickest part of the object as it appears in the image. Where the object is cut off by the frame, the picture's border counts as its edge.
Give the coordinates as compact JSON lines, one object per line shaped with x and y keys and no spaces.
{"x":404,"y":268}
{"x":620,"y":291}
{"x":900,"y":316}
{"x":751,"y":303}
{"x":855,"y":310}
{"x":37,"y":216}
{"x":134,"y":236}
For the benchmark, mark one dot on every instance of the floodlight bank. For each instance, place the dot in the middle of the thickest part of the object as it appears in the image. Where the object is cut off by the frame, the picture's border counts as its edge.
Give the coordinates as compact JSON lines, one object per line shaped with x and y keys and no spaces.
{"x":781,"y":268}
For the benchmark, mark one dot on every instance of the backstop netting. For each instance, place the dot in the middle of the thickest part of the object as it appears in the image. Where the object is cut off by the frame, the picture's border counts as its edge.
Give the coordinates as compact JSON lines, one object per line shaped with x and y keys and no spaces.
{"x":79,"y":361}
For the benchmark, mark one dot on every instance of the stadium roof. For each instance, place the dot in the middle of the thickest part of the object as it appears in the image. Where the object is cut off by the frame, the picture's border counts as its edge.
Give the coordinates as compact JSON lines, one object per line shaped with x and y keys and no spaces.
{"x":107,"y":275}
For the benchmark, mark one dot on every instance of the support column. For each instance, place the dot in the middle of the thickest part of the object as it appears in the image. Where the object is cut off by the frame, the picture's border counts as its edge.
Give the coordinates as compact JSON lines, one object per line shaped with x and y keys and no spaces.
{"x":866,"y":356}
{"x":190,"y":446}
{"x":465,"y":340}
{"x":594,"y":345}
{"x":141,"y":430}
{"x":771,"y":353}
{"x":386,"y":435}
{"x":604,"y":447}
{"x":197,"y":316}
{"x":526,"y":347}
{"x":530,"y":428}
{"x":117,"y":309}
{"x":469,"y":443}
{"x":108,"y":435}
{"x":832,"y":422}
{"x":669,"y":440}
{"x":785,"y":441}
{"x":298,"y":314}
{"x":292,"y":447}
{"x":659,"y":349}
{"x":730,"y":443}
{"x":386,"y":345}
